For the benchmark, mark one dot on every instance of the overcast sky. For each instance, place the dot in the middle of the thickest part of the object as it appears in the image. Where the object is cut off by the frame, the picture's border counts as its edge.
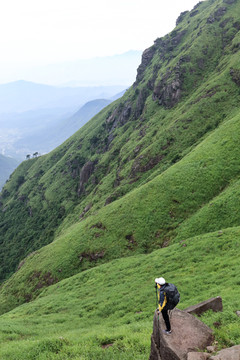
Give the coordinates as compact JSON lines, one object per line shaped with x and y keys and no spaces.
{"x":41,"y":32}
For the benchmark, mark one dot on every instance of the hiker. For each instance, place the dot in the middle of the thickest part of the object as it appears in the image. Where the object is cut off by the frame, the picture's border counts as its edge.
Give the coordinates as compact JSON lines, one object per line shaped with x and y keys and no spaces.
{"x":167,"y":298}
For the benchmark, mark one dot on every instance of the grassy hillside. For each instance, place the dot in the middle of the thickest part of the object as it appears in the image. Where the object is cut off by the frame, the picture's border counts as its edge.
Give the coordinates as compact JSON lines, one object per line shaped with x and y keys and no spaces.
{"x":149,"y":172}
{"x":148,"y":187}
{"x":147,"y":218}
{"x":186,"y":87}
{"x":107,"y":312}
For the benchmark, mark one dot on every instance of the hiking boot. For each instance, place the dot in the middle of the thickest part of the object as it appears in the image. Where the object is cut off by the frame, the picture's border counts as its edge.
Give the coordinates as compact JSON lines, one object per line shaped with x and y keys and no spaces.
{"x":167,"y":332}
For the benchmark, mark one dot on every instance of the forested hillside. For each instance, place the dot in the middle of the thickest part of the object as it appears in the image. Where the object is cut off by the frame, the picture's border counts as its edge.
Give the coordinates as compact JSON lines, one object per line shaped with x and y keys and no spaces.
{"x":139,"y":181}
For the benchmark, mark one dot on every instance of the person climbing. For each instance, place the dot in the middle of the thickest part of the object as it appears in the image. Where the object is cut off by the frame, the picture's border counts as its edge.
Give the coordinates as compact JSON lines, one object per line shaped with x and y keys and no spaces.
{"x":167,"y":298}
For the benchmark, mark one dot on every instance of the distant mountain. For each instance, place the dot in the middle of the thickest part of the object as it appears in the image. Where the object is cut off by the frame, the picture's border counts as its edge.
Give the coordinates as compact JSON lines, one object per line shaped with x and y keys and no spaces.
{"x":42,"y":129}
{"x":7,"y":165}
{"x":85,"y":113}
{"x":21,"y":96}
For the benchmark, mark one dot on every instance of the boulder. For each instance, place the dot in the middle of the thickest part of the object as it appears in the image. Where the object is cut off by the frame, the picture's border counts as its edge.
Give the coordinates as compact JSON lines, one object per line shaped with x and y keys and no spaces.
{"x":232,"y":353}
{"x":214,"y":304}
{"x":211,"y":349}
{"x":197,"y":356}
{"x":188,"y":334}
{"x":238,"y":313}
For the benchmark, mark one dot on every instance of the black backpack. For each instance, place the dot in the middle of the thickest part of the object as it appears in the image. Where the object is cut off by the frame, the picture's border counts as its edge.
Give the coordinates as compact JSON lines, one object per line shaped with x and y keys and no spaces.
{"x":173,"y":296}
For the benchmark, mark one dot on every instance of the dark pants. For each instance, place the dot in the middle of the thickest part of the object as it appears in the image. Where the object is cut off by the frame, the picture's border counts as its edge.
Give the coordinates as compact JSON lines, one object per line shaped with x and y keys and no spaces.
{"x":166,"y":319}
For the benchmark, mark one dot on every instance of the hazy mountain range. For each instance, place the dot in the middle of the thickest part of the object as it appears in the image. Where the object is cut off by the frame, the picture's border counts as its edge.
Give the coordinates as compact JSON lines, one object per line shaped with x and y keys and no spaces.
{"x":44,"y":116}
{"x":100,"y":71}
{"x":21,"y":96}
{"x":7,"y":165}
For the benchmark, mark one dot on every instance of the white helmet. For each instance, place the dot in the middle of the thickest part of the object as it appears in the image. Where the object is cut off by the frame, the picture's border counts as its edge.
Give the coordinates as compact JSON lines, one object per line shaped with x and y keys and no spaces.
{"x":160,"y":281}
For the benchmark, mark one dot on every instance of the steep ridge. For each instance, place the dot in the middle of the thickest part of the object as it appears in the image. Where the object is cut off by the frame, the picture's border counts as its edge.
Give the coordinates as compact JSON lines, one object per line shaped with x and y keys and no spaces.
{"x":145,"y":164}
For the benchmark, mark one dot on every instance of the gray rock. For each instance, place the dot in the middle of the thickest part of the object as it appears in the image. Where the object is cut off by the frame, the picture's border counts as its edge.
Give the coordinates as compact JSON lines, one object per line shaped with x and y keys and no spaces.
{"x":86,"y":171}
{"x":146,"y":60}
{"x":232,"y":353}
{"x":211,"y":349}
{"x":197,"y":356}
{"x":188,"y":334}
{"x":181,"y":17}
{"x":238,"y":313}
{"x":229,"y":1}
{"x":214,"y":304}
{"x":220,"y":12}
{"x":154,"y":350}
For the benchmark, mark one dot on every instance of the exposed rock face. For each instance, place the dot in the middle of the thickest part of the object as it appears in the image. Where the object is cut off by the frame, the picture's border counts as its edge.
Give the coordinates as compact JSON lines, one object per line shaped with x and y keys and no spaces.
{"x":86,"y":171}
{"x":138,"y":167}
{"x":198,"y":356}
{"x":91,"y":256}
{"x":146,"y":59}
{"x":188,"y":334}
{"x":86,"y":209}
{"x":168,"y":90}
{"x":181,"y":17}
{"x":140,"y":103}
{"x":214,"y":304}
{"x":235,"y":74}
{"x":217,"y":15}
{"x":232,"y":353}
{"x":229,"y":1}
{"x":118,"y":117}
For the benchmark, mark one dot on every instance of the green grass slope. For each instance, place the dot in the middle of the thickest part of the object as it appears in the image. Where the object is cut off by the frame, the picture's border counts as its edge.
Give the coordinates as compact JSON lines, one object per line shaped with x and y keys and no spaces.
{"x":146,"y":218}
{"x":187,"y":85}
{"x":107,"y":312}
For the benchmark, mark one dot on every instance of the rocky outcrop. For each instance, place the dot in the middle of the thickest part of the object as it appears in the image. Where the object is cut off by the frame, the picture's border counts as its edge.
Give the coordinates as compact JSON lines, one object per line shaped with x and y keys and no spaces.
{"x":188,"y":334}
{"x":119,"y":117}
{"x":217,"y":15}
{"x":232,"y":353}
{"x":140,"y":165}
{"x":214,"y":304}
{"x":168,"y":90}
{"x":181,"y":17}
{"x":229,"y":2}
{"x":86,"y":209}
{"x":198,"y":356}
{"x":86,"y":171}
{"x":146,"y":60}
{"x":235,"y":74}
{"x":140,"y":103}
{"x":90,"y":256}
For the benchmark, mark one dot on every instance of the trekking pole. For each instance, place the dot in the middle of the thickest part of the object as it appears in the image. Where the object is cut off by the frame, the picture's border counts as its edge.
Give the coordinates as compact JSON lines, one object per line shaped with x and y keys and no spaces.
{"x":156,"y":298}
